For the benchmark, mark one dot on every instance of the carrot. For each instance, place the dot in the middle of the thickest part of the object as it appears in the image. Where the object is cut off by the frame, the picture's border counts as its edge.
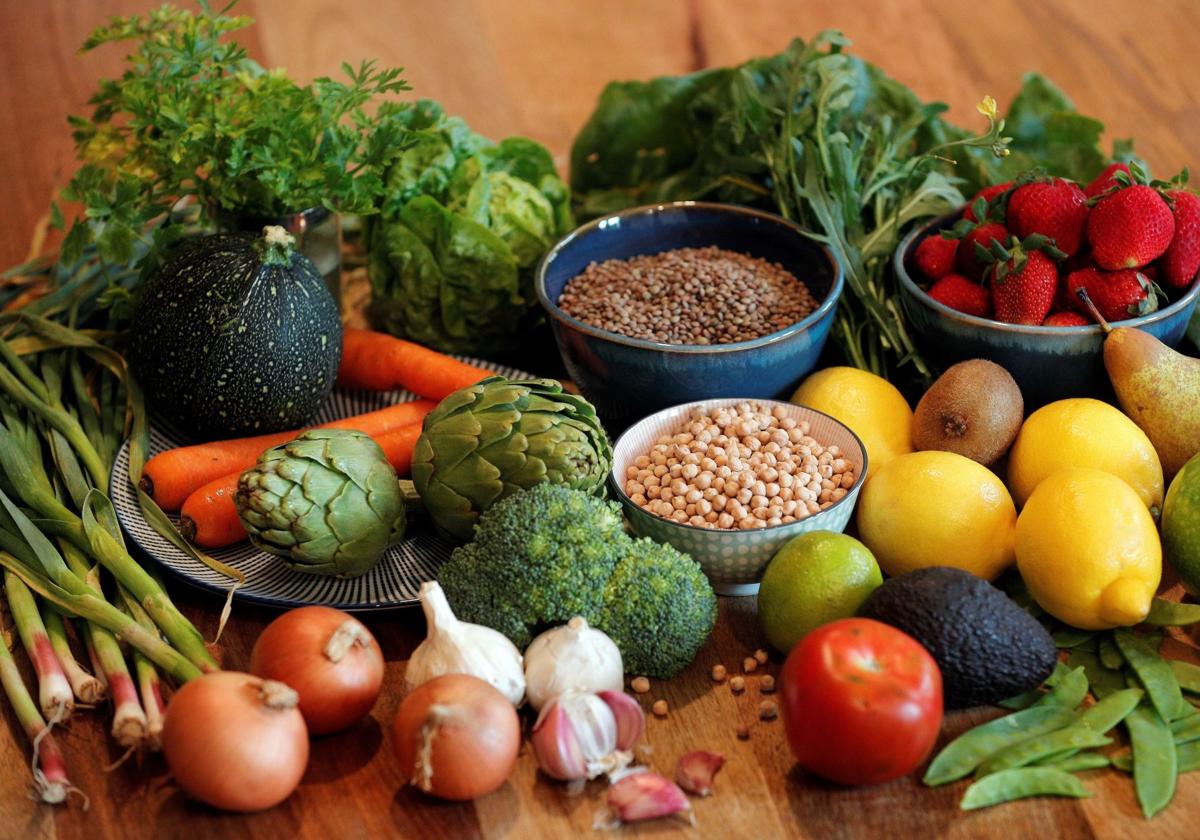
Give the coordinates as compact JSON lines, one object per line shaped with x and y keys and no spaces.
{"x":209,"y":516}
{"x":379,"y":362}
{"x":172,"y":476}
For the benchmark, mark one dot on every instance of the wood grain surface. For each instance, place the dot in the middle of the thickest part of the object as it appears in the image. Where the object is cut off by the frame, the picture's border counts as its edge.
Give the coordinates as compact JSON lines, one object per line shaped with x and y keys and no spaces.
{"x":535,"y":68}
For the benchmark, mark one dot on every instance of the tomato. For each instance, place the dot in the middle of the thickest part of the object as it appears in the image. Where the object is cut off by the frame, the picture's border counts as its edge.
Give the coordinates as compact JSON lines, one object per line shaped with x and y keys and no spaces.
{"x":862,"y":702}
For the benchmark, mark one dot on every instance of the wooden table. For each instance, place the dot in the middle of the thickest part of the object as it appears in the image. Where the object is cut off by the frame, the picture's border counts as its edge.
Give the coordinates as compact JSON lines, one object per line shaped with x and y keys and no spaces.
{"x":535,"y":68}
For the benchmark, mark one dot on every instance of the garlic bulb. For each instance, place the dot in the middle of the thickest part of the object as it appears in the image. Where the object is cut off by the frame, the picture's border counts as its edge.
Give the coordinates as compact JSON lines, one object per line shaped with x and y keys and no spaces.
{"x":572,"y":656}
{"x":457,"y":647}
{"x":580,"y":735}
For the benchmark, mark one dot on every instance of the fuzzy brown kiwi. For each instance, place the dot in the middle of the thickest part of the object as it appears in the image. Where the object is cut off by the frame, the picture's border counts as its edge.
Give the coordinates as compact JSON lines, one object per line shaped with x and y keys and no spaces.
{"x":974,"y":409}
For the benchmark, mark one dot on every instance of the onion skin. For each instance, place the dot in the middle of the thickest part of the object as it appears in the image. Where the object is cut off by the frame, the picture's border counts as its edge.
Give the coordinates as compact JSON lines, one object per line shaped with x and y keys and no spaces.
{"x":333,"y":695}
{"x":471,"y":732}
{"x":228,"y":748}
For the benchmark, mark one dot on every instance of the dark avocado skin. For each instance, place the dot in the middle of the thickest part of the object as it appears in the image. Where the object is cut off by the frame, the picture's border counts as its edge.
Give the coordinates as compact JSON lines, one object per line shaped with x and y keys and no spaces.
{"x":225,"y":345}
{"x":987,"y":647}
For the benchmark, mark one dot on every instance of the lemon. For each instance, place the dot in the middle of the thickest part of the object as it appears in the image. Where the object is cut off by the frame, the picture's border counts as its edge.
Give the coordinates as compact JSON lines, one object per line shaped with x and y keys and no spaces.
{"x":870,"y":405}
{"x":812,"y":580}
{"x":937,"y":509}
{"x":1181,"y":524}
{"x":1084,"y":433}
{"x":1088,"y":550}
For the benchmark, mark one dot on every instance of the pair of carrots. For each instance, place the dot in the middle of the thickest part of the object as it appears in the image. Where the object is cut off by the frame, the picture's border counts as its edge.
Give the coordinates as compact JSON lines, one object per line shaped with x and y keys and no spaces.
{"x":200,"y":481}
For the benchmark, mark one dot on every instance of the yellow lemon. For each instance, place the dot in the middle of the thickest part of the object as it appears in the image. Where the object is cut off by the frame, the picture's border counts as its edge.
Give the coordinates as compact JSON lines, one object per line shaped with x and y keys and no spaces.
{"x":937,"y":509}
{"x":869,"y":404}
{"x":1084,"y":433}
{"x":1088,"y":550}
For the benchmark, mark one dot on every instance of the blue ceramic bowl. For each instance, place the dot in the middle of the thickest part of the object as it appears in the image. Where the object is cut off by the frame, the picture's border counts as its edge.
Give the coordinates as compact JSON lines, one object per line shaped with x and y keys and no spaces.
{"x":628,"y":378}
{"x":1048,"y":363}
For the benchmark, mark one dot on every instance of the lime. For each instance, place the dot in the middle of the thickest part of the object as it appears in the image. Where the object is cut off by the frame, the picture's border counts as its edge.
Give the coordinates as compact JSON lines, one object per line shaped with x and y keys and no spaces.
{"x":812,"y":580}
{"x":1181,"y":525}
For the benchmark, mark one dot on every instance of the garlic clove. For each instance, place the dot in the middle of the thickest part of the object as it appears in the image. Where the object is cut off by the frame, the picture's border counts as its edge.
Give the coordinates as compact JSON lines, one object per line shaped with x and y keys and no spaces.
{"x":631,"y":720}
{"x":557,"y":746}
{"x":646,"y":796}
{"x":696,"y":771}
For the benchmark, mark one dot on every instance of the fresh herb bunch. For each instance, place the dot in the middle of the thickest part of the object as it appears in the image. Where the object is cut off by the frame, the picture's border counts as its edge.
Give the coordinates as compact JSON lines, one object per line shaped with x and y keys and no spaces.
{"x":194,"y":116}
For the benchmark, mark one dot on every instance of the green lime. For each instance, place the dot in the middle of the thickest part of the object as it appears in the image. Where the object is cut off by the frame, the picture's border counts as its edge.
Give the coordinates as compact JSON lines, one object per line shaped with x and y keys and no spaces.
{"x":1181,"y":524}
{"x":812,"y":580}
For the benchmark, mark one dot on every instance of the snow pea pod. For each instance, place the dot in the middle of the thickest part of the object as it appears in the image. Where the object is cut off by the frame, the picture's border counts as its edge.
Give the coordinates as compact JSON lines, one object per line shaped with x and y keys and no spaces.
{"x":1033,"y":749}
{"x":1154,"y":759}
{"x":1021,"y":701}
{"x":1070,"y":637}
{"x":1078,"y":762}
{"x":1166,"y":613}
{"x":1186,"y":728}
{"x":1110,"y":656}
{"x":966,"y":752}
{"x":1069,"y":692}
{"x":1103,"y":681}
{"x":1153,"y":673}
{"x":1187,"y":675}
{"x":1111,"y":710}
{"x":1021,"y":783}
{"x":1187,"y":757}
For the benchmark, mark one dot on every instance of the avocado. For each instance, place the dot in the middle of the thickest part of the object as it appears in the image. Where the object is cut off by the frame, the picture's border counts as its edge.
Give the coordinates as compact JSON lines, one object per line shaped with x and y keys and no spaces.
{"x":987,"y":647}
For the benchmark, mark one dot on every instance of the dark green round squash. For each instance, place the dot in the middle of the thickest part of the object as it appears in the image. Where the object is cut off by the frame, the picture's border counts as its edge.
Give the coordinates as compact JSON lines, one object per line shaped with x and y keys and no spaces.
{"x":236,"y":334}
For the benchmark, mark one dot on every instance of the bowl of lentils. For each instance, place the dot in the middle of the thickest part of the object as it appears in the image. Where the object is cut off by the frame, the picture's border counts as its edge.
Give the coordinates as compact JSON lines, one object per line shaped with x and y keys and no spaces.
{"x":729,"y":481}
{"x":660,"y":305}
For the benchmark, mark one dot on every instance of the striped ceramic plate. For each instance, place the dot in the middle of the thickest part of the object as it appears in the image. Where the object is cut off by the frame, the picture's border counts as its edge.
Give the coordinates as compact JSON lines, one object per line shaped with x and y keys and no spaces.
{"x":391,"y":584}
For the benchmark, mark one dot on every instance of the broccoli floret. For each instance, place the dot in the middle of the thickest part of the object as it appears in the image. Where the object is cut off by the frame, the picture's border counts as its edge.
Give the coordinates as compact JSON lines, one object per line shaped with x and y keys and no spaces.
{"x":539,"y":557}
{"x":659,"y":608}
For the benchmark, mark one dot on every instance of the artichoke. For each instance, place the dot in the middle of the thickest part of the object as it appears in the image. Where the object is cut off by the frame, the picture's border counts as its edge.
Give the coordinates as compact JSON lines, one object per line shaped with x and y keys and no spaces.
{"x":487,"y":441}
{"x":329,"y":502}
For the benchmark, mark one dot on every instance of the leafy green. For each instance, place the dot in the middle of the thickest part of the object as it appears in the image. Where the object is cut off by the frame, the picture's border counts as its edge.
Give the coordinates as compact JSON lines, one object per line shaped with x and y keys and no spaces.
{"x":193,"y":115}
{"x":829,"y":141}
{"x":464,"y":222}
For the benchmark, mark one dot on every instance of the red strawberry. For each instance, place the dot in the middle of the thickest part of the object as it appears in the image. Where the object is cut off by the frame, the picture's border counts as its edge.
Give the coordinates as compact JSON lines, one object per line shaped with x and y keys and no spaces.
{"x":935,"y":256}
{"x":967,"y":260}
{"x":987,"y":194}
{"x":1065,"y":318}
{"x":1118,"y":295}
{"x":1057,"y":209}
{"x":1182,"y":259}
{"x":1130,"y":228}
{"x":959,"y":293}
{"x":1105,"y":180}
{"x":1023,"y":287}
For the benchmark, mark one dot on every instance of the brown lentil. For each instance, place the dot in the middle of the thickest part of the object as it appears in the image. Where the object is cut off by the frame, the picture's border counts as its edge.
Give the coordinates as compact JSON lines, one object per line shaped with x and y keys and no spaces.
{"x":738,"y":467}
{"x":688,"y":296}
{"x":718,"y":673}
{"x":640,"y":685}
{"x":767,"y":684}
{"x":737,"y":685}
{"x":768,"y":710}
{"x":660,"y":708}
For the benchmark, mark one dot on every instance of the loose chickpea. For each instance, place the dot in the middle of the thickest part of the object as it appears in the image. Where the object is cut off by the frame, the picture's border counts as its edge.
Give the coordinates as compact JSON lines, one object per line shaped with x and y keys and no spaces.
{"x":640,"y":685}
{"x":737,"y":684}
{"x":660,"y":708}
{"x":718,"y":673}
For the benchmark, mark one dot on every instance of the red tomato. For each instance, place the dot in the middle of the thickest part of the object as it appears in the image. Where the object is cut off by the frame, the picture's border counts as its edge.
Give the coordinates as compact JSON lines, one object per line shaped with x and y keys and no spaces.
{"x":862,"y":702}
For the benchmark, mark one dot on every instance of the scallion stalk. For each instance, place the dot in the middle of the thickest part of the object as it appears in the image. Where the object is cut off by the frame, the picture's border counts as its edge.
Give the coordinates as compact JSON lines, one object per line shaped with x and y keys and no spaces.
{"x":129,"y":721}
{"x":55,"y":696}
{"x":87,"y":689}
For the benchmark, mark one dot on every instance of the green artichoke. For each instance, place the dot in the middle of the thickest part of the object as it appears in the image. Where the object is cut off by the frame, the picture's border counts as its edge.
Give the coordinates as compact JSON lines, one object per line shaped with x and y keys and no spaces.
{"x":487,"y":441}
{"x":328,"y":501}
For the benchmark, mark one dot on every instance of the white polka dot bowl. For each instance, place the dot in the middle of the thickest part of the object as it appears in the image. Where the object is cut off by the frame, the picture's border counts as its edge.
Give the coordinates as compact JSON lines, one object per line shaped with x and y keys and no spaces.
{"x":734,"y":560}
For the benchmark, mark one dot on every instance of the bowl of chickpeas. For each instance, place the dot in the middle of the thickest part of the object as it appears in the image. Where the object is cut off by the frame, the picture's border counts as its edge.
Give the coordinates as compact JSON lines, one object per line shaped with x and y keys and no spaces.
{"x":729,"y":481}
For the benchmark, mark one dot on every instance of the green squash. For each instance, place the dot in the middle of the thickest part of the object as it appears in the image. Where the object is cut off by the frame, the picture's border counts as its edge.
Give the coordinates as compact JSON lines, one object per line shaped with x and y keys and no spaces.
{"x":236,"y":334}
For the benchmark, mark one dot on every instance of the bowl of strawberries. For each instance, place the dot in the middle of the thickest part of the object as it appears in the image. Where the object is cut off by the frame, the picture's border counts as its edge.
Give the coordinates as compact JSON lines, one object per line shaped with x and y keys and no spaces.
{"x":1030,"y":270}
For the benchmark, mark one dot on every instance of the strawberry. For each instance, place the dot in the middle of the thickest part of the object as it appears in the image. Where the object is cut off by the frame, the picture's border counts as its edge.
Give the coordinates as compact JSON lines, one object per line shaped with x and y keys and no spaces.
{"x":1106,"y":180}
{"x":967,"y":259}
{"x":1182,"y":259}
{"x":1118,"y":295}
{"x":959,"y":293}
{"x":1055,"y":208}
{"x":1130,"y":228}
{"x":987,"y":194}
{"x":1065,"y":318}
{"x":935,"y":256}
{"x":1023,"y":287}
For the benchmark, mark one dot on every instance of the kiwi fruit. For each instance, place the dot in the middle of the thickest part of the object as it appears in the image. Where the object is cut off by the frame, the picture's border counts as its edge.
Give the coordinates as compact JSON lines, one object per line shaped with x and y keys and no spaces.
{"x":974,"y":409}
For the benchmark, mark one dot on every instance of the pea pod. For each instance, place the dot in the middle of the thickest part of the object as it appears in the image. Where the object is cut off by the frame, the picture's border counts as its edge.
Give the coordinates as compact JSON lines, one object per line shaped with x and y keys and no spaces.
{"x":1033,"y":749}
{"x":966,"y":752}
{"x":1103,"y":681}
{"x":1022,"y":701}
{"x":1069,"y":692}
{"x":1111,"y":710}
{"x":1166,"y":613}
{"x":1186,"y":728}
{"x":1078,"y":762}
{"x":1154,"y":759}
{"x":1153,"y":673}
{"x":1187,"y":675}
{"x":1123,"y":761}
{"x":1110,"y":656}
{"x":1070,"y":637}
{"x":1187,"y":757}
{"x":1021,"y":783}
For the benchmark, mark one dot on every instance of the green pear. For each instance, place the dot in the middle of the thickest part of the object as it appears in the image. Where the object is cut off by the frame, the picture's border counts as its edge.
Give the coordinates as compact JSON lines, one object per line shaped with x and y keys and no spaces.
{"x":1159,"y":388}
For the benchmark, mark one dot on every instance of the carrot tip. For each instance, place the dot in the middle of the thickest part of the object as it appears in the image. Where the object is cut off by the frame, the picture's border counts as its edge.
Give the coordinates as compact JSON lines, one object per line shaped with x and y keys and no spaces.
{"x":146,"y":485}
{"x":187,"y":528}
